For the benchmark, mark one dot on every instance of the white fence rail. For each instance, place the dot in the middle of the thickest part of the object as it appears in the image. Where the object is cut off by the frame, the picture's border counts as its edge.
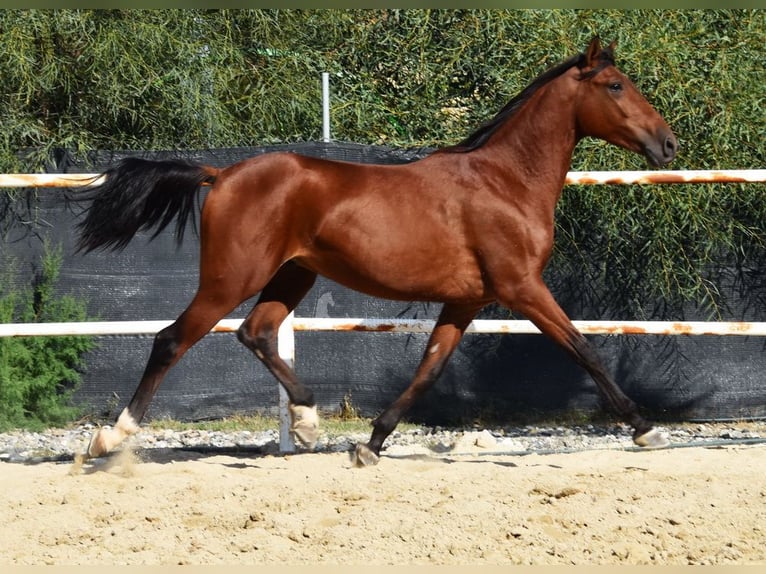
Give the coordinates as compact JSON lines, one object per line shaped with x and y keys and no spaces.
{"x":293,"y":324}
{"x":506,"y":327}
{"x":573,"y":178}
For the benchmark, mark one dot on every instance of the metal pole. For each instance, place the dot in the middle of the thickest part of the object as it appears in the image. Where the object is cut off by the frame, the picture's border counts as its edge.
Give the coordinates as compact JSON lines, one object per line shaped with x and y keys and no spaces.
{"x":286,"y":349}
{"x":326,"y":106}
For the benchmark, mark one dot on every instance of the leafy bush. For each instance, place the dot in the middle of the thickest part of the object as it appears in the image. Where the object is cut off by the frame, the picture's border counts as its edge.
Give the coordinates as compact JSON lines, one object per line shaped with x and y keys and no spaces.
{"x":39,"y":374}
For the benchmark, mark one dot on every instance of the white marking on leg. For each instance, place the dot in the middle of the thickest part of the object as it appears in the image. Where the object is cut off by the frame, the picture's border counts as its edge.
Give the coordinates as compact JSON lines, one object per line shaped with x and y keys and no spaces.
{"x":126,"y":423}
{"x":652,"y":439}
{"x":433,"y":348}
{"x":107,"y":438}
{"x":305,"y":424}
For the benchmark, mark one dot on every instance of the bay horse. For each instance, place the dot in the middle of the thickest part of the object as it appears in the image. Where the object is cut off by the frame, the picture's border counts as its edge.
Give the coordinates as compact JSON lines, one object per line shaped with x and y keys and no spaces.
{"x":466,"y":226}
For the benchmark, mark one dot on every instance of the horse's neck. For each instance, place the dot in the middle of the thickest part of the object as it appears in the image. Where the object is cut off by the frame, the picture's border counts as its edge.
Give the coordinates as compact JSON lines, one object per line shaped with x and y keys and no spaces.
{"x":536,"y":144}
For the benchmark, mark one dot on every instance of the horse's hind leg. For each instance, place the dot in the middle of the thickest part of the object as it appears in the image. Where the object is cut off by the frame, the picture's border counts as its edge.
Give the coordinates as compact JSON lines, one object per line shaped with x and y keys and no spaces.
{"x":211,"y":303}
{"x":449,"y":329}
{"x":259,"y":334}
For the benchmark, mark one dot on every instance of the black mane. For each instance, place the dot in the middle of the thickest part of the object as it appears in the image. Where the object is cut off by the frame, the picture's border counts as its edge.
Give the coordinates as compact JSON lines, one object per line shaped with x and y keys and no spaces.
{"x":485,"y":131}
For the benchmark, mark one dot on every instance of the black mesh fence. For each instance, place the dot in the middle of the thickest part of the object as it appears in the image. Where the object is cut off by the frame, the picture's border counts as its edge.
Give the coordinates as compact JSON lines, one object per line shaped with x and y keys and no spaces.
{"x":489,"y":376}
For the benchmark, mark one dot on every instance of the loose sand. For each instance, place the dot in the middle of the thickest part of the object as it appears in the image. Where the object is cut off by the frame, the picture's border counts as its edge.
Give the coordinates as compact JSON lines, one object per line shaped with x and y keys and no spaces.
{"x":679,"y":506}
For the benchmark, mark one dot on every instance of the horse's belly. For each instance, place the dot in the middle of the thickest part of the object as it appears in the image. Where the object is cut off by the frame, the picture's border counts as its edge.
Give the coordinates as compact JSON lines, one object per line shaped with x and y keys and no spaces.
{"x":406,"y":279}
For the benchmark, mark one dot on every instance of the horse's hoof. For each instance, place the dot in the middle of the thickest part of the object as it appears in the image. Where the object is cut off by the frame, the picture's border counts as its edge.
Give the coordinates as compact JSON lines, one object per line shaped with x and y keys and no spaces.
{"x":651,"y":439}
{"x":104,"y":441}
{"x":363,"y":456}
{"x":305,"y":425}
{"x":97,"y":446}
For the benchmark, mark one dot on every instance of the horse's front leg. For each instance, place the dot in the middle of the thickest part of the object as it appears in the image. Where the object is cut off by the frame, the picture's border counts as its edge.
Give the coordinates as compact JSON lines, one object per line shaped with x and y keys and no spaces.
{"x":449,"y":329}
{"x":536,"y":302}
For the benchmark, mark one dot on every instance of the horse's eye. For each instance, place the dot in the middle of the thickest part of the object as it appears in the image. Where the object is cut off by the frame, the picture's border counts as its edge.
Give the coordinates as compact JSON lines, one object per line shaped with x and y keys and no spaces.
{"x":615,"y":87}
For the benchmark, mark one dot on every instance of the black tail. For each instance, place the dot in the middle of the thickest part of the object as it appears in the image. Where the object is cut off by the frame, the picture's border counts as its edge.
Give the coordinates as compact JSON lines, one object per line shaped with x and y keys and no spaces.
{"x":139,"y":194}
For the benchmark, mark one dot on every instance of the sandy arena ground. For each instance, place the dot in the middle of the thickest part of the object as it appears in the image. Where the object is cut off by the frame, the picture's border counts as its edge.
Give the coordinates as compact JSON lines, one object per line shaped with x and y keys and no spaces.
{"x":680,"y":506}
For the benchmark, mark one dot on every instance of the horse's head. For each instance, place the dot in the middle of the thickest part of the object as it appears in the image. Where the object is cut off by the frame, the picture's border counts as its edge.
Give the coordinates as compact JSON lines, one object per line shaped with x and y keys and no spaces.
{"x":611,"y":108}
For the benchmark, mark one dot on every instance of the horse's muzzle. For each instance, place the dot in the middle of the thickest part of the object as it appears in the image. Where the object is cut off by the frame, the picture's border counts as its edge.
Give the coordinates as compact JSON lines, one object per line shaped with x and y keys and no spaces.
{"x":661,"y":150}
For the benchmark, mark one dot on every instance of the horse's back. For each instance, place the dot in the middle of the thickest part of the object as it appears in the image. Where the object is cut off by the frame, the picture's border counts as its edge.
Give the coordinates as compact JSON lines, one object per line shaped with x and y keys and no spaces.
{"x":304,"y":183}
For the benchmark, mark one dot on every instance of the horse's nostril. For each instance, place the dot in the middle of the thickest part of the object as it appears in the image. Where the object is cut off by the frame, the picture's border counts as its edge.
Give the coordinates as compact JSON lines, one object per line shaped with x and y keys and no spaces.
{"x":670,"y":146}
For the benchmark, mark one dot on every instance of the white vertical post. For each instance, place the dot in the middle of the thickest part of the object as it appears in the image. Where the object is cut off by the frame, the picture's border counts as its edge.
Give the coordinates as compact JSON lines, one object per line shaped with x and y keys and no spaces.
{"x":326,"y":106}
{"x":286,"y":349}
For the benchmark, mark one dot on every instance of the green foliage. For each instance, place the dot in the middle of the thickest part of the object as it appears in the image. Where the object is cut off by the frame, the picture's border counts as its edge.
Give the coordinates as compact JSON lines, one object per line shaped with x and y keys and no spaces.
{"x":164,"y":79}
{"x":196,"y":79}
{"x":39,"y":374}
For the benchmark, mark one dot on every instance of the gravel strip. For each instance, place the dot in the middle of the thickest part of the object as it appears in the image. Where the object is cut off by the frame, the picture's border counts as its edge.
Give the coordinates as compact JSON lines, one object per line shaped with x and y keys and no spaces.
{"x":62,"y":444}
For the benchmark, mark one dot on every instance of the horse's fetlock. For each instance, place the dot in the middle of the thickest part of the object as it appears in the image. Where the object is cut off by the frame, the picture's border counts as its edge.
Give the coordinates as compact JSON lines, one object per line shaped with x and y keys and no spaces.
{"x":385,"y":423}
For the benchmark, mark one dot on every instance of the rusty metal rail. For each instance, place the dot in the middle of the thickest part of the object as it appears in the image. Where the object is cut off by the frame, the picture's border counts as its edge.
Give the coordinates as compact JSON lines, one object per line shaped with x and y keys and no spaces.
{"x":50,"y":180}
{"x":651,"y":177}
{"x":666,"y":176}
{"x":298,"y":324}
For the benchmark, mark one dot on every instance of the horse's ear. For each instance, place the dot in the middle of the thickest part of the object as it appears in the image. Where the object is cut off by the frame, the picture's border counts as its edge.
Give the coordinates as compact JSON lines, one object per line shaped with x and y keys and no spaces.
{"x":592,"y":52}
